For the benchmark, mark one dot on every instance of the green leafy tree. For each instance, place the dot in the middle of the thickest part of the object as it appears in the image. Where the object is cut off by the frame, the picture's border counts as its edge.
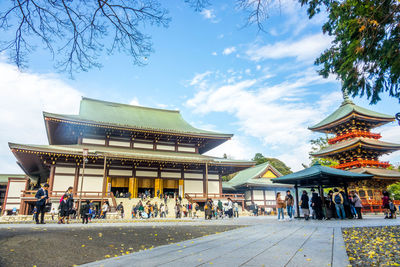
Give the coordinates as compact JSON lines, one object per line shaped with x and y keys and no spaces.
{"x":276,"y":163}
{"x":365,"y":53}
{"x":317,"y":145}
{"x":394,"y":190}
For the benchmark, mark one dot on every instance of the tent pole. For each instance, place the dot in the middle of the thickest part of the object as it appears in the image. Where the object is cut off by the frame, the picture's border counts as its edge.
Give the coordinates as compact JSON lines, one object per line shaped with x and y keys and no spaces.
{"x":297,"y":201}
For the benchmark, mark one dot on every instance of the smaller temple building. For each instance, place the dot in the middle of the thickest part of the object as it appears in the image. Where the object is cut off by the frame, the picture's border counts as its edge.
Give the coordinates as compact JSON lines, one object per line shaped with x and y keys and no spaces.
{"x":11,"y":186}
{"x":257,"y":186}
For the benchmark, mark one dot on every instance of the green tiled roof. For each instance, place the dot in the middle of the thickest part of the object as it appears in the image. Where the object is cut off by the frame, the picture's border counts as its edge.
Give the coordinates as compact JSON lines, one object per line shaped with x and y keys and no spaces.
{"x":350,"y":142}
{"x":143,"y":154}
{"x":346,"y":108}
{"x":4,"y":177}
{"x":378,"y":172}
{"x":320,"y":174}
{"x":251,"y":176}
{"x":137,"y":117}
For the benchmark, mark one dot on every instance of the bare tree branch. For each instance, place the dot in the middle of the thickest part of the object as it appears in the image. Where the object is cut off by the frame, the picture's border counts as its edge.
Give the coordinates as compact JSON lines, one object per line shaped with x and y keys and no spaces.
{"x":76,"y":32}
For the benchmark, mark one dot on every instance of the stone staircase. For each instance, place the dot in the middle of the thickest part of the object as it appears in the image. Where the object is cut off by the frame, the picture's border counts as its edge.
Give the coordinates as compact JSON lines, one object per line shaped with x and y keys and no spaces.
{"x":129,"y":203}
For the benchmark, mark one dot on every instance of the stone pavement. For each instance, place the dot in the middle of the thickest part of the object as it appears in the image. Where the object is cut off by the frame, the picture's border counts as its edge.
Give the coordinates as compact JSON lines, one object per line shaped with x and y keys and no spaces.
{"x":265,"y":242}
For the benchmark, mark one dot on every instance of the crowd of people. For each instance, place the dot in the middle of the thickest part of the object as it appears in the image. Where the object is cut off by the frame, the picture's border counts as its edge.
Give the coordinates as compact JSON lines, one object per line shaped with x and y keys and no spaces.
{"x":219,"y":210}
{"x":337,"y":204}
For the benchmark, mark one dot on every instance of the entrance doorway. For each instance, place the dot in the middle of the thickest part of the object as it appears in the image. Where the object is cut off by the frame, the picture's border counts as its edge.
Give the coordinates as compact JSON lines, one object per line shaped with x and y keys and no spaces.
{"x":120,"y":186}
{"x":171,"y":187}
{"x":146,"y":184}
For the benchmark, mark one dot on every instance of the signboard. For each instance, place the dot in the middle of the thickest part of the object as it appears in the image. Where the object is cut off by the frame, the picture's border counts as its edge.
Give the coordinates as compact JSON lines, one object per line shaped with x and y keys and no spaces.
{"x":85,"y":152}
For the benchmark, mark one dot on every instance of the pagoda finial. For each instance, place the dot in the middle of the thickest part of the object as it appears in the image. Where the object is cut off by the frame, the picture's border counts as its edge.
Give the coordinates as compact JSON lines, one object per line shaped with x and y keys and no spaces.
{"x":346,"y":98}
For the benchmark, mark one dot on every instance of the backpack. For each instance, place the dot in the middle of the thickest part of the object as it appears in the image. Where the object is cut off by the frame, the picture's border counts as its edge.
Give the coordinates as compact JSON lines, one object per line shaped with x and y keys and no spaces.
{"x":337,"y":199}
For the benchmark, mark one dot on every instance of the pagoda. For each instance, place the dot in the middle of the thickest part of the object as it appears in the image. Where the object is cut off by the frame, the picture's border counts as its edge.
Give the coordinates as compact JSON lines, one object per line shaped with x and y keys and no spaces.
{"x":117,"y":149}
{"x":356,"y":148}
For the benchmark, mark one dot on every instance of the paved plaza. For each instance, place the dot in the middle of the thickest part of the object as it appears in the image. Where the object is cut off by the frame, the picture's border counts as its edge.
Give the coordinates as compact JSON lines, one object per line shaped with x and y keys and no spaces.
{"x":265,"y":242}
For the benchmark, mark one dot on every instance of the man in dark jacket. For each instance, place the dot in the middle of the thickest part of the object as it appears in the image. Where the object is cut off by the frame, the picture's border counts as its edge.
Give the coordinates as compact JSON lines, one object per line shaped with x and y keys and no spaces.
{"x":41,"y":195}
{"x":316,"y":204}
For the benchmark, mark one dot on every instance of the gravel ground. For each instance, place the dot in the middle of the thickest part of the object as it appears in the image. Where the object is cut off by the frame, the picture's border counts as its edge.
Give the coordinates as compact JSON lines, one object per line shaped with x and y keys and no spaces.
{"x":373,"y":246}
{"x":39,"y":246}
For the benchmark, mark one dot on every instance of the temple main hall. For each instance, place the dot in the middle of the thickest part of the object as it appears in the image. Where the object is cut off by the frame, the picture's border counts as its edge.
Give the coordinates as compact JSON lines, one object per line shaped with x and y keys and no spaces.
{"x":111,"y":148}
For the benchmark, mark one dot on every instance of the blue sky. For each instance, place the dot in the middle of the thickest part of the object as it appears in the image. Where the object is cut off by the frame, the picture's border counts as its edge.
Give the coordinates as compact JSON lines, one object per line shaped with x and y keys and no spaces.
{"x":260,"y":86}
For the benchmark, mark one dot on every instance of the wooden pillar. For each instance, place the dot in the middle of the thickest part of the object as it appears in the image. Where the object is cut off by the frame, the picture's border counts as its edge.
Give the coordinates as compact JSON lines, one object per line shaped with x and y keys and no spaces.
{"x":265,"y":201}
{"x":220,"y":184}
{"x":104,"y":189}
{"x":76,"y":179}
{"x":296,"y":188}
{"x":51,"y":178}
{"x":206,"y":178}
{"x":131,"y":186}
{"x":181,"y":188}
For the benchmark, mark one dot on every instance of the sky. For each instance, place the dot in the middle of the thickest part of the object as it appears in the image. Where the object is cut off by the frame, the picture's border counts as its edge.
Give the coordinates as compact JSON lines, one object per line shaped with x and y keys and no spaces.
{"x":260,"y":86}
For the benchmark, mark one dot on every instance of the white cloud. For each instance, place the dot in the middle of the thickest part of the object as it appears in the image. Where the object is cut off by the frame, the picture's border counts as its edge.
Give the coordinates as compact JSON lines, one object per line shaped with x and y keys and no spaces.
{"x":214,"y":53}
{"x":391,"y":133}
{"x":236,"y":148}
{"x":24,"y":97}
{"x":210,"y":15}
{"x":229,"y":50}
{"x":134,"y":102}
{"x":305,"y":49}
{"x":277,"y":115}
{"x":198,"y":80}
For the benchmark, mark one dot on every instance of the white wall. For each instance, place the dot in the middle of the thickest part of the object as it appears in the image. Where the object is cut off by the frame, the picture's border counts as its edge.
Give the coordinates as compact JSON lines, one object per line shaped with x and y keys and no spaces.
{"x":193,"y":175}
{"x":165,"y":147}
{"x":258,"y":194}
{"x":120,"y":172}
{"x":186,"y":149}
{"x":146,"y":173}
{"x":213,"y":177}
{"x":93,"y":141}
{"x":171,"y":175}
{"x":91,"y":183}
{"x":70,"y":170}
{"x":92,"y":171}
{"x":193,"y":186}
{"x":119,"y":143}
{"x":62,"y":182}
{"x":213,"y":187}
{"x":143,"y":145}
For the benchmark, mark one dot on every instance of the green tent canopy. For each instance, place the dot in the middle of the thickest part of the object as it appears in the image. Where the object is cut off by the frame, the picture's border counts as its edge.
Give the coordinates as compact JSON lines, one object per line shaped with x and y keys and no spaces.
{"x":318,"y":175}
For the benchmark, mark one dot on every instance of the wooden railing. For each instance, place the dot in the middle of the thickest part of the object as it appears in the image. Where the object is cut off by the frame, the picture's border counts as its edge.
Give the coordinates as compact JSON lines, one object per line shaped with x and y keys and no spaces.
{"x":85,"y":194}
{"x":354,"y":134}
{"x":362,"y":163}
{"x":375,"y":206}
{"x":215,"y":196}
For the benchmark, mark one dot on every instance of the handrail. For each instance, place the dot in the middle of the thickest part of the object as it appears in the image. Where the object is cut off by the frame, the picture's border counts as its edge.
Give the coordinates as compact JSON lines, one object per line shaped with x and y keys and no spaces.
{"x":32,"y":193}
{"x":215,"y":195}
{"x":352,"y":134}
{"x":362,"y":163}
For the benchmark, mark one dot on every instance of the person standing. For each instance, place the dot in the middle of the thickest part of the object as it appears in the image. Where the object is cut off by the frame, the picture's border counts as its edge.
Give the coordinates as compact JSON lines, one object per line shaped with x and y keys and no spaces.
{"x":337,"y":198}
{"x":289,"y":204}
{"x":316,"y":204}
{"x":230,"y":207}
{"x":70,"y":203}
{"x":85,"y":211}
{"x":236,"y":210}
{"x":104,"y":210}
{"x":385,"y":204}
{"x":64,"y":210}
{"x":42,"y":195}
{"x":53,"y":212}
{"x":280,"y":205}
{"x":304,"y":205}
{"x":357,"y":204}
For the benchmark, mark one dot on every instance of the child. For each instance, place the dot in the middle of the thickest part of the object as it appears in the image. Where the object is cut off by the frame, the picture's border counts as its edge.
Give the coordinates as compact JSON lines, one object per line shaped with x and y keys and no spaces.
{"x":34,"y":213}
{"x":393,"y":209}
{"x":64,"y":209}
